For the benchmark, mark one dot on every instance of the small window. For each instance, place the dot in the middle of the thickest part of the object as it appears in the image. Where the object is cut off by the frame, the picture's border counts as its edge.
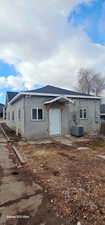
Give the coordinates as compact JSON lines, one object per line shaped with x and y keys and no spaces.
{"x":83,"y":113}
{"x":8,"y":115}
{"x":40,"y":114}
{"x":19,"y":114}
{"x":34,"y":114}
{"x":37,"y":114}
{"x":12,"y":115}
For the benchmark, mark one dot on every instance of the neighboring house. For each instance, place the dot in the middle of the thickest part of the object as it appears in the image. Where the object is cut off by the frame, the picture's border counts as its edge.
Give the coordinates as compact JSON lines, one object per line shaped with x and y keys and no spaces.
{"x":102,"y":112}
{"x":51,"y":111}
{"x":1,"y":110}
{"x":9,"y":96}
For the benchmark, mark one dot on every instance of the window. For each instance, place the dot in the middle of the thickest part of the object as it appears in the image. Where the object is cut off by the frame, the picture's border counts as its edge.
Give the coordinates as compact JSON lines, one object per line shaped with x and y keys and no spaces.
{"x":34,"y":114}
{"x":12,"y":115}
{"x":19,"y":114}
{"x":83,"y":113}
{"x":37,"y":114}
{"x":80,"y":113}
{"x":40,"y":114}
{"x":8,"y":115}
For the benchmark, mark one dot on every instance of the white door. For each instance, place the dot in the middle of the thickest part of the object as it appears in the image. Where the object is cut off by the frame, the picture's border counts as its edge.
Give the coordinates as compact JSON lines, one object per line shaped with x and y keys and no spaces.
{"x":55,"y":121}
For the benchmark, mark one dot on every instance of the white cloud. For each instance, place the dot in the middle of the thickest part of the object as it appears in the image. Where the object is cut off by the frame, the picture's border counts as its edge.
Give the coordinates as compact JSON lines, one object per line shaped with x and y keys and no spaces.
{"x":62,"y":67}
{"x":44,"y":48}
{"x":11,"y":82}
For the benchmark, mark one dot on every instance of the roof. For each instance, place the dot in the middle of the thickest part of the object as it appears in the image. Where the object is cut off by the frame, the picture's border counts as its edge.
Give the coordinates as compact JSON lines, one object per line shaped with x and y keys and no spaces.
{"x":102,"y":108}
{"x":1,"y":107}
{"x":55,"y":90}
{"x":48,"y":91}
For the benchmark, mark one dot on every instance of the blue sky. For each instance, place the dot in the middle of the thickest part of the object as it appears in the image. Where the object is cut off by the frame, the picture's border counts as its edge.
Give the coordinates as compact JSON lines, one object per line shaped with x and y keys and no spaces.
{"x":91,"y":17}
{"x":7,"y":69}
{"x":48,"y":50}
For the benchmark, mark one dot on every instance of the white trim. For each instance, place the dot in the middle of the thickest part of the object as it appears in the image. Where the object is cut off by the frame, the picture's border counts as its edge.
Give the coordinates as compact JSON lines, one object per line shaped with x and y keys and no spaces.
{"x":15,"y":98}
{"x":37,"y":114}
{"x":52,"y":95}
{"x":59,"y":95}
{"x":58,"y":98}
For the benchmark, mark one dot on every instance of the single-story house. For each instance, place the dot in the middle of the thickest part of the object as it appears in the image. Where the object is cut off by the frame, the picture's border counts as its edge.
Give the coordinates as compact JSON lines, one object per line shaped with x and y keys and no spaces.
{"x":102,"y":112}
{"x":51,"y":111}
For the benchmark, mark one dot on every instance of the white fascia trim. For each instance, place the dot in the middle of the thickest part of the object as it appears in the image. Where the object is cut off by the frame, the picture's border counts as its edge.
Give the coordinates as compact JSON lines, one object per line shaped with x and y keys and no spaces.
{"x":15,"y":98}
{"x":59,"y":95}
{"x":53,"y":95}
{"x":102,"y":114}
{"x":58,"y":98}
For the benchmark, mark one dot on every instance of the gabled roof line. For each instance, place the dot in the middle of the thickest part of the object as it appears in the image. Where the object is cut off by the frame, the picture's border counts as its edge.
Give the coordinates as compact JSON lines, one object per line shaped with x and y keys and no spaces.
{"x":52,"y":95}
{"x":59,"y":98}
{"x":53,"y":89}
{"x":10,"y":95}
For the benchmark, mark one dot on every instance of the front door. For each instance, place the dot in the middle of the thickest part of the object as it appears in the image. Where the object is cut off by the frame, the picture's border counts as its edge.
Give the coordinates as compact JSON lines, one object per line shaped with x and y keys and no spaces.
{"x":55,"y":121}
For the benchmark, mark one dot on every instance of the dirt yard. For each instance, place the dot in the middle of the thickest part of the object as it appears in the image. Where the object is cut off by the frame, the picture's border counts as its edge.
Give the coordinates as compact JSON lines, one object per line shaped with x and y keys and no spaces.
{"x":72,"y":175}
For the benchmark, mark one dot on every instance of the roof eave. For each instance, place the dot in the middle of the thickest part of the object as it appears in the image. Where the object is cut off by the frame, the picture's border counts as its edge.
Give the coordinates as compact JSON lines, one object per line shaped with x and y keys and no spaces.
{"x":53,"y":95}
{"x":56,"y":95}
{"x":15,"y":98}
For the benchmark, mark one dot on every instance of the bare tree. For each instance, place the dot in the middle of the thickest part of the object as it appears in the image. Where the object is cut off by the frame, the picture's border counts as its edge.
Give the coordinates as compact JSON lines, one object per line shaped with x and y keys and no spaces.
{"x":90,"y":82}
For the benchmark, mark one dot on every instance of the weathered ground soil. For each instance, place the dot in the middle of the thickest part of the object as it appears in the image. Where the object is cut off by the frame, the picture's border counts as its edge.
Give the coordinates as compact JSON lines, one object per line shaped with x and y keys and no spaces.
{"x":22,"y":200}
{"x":72,"y":176}
{"x":73,"y":179}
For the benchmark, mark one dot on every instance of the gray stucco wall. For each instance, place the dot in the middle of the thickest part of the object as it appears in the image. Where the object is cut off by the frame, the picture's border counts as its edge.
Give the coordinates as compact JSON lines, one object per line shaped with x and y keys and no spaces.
{"x":16,"y":123}
{"x":38,"y":129}
{"x":92,"y":123}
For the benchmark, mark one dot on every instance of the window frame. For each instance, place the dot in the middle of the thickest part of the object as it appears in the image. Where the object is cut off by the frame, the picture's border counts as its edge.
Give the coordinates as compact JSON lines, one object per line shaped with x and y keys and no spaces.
{"x":37,"y":108}
{"x":83,"y":113}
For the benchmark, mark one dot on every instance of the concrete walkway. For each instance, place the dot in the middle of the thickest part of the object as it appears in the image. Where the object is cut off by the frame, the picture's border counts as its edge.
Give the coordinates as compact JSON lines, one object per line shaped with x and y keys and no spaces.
{"x":19,"y":198}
